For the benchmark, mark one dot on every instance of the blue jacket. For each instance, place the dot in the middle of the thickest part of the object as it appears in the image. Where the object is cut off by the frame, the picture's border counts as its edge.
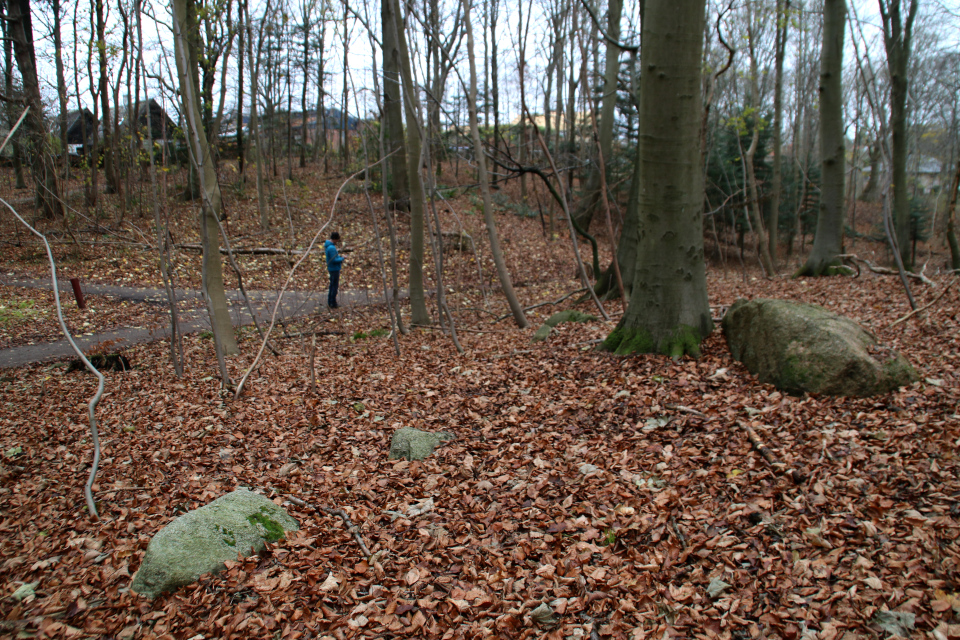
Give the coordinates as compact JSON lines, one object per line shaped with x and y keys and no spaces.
{"x":333,"y":258}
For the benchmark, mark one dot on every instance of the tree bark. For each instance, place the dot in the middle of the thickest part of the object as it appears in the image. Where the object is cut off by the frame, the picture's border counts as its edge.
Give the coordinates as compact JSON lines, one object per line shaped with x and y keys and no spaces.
{"x":21,"y":182}
{"x":828,"y":241}
{"x":776,"y":179}
{"x":608,"y":104}
{"x":479,"y":152}
{"x":897,"y":36}
{"x":411,"y":103}
{"x":669,"y":312}
{"x":108,"y":158}
{"x":258,"y":154}
{"x":20,"y":31}
{"x":398,"y":182}
{"x":212,"y":269}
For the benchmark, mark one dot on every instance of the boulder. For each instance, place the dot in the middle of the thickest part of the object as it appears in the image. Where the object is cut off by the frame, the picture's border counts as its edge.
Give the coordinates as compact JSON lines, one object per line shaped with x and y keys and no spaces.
{"x":801,"y":347}
{"x":414,"y":444}
{"x":542,"y":333}
{"x":201,"y":541}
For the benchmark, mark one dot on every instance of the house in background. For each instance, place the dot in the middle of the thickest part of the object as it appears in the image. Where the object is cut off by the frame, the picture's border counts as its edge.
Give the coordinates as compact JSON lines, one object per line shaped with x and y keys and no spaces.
{"x":162,"y":128}
{"x":81,"y":125}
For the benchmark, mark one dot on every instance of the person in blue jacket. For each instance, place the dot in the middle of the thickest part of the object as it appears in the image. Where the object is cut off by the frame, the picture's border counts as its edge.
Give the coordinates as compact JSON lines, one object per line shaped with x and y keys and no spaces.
{"x":334,"y":260}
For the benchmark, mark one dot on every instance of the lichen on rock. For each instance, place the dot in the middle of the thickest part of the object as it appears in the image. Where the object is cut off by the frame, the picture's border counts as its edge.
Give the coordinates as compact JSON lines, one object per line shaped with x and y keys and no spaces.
{"x":414,"y":444}
{"x":801,"y":347}
{"x":202,"y":540}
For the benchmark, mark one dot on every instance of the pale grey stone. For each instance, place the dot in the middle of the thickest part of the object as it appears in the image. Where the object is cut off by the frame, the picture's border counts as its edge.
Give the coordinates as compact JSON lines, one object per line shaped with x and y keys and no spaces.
{"x":201,"y":541}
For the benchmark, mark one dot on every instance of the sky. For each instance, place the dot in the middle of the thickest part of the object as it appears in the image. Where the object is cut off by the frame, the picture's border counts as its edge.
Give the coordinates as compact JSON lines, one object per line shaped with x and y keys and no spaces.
{"x":362,"y":55}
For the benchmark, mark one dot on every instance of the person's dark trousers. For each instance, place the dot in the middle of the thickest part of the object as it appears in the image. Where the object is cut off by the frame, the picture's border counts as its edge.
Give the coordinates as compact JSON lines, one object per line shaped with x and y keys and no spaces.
{"x":334,"y":287}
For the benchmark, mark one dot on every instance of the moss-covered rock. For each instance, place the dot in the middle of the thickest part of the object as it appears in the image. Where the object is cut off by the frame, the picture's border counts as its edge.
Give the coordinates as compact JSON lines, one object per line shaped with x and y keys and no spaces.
{"x":801,"y":348}
{"x":558,"y":318}
{"x":570,"y":315}
{"x":542,"y":333}
{"x":414,"y":444}
{"x":201,"y":541}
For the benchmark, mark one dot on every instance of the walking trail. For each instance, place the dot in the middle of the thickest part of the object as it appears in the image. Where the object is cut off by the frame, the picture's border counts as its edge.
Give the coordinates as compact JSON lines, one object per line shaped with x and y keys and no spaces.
{"x":294,"y":304}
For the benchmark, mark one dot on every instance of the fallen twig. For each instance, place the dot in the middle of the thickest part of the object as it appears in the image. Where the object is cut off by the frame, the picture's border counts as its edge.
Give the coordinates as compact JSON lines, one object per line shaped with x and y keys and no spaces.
{"x":886,"y":271}
{"x":542,"y":304}
{"x":352,"y":528}
{"x":924,"y":308}
{"x":257,"y":251}
{"x":767,"y":454}
{"x":691,"y":411}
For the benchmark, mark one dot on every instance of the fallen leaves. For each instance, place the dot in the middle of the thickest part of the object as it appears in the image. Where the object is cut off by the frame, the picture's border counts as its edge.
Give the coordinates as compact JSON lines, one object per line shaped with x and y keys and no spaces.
{"x":603,"y":494}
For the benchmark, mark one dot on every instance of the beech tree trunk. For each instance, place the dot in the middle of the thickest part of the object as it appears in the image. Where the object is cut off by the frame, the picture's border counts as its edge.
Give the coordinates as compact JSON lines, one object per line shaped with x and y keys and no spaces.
{"x":411,"y":103}
{"x":776,"y":179}
{"x":212,"y":269}
{"x":21,"y":182}
{"x":828,"y":241}
{"x":398,"y":182}
{"x":897,"y":36}
{"x":498,"y":260}
{"x":668,"y":311}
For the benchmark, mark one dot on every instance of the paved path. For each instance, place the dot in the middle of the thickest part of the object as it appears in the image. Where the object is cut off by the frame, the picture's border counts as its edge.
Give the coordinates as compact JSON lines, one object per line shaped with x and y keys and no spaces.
{"x":295,"y":303}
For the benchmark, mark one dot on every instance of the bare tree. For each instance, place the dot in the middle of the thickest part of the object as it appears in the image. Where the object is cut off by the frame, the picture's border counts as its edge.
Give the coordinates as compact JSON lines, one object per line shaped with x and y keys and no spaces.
{"x":501,"y":265}
{"x":828,"y":242}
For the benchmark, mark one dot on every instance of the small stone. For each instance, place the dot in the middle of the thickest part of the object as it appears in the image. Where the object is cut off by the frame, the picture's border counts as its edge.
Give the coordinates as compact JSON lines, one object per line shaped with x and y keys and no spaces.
{"x":414,"y":444}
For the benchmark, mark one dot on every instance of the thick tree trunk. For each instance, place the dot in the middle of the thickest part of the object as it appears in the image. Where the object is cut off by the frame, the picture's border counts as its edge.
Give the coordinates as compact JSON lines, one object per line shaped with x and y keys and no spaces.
{"x":951,"y":217}
{"x":398,"y":182}
{"x":669,"y":312}
{"x":20,"y":31}
{"x":21,"y":182}
{"x":897,"y":36}
{"x":411,"y":103}
{"x":828,"y":241}
{"x":498,"y":260}
{"x":212,"y":269}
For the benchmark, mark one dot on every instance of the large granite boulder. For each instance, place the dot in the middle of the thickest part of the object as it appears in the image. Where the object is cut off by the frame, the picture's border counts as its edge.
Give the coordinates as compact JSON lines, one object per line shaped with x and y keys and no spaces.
{"x":414,"y":444}
{"x":201,"y":541}
{"x":801,"y":347}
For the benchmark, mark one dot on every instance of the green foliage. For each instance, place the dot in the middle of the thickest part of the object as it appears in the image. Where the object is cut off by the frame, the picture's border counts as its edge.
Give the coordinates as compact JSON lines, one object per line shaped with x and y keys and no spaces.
{"x":726,"y":178}
{"x":16,"y":310}
{"x":505,"y":204}
{"x":376,"y":333}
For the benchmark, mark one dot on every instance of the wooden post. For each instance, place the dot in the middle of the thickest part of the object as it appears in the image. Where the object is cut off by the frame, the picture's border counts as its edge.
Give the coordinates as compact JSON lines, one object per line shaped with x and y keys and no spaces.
{"x":78,"y":293}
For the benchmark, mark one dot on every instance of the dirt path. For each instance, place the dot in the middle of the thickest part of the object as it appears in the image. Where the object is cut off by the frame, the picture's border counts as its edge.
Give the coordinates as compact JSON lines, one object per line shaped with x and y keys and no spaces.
{"x":294,"y":304}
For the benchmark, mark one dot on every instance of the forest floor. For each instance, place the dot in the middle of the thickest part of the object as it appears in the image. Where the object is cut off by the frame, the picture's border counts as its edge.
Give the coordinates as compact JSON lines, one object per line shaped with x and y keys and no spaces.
{"x":621,"y":491}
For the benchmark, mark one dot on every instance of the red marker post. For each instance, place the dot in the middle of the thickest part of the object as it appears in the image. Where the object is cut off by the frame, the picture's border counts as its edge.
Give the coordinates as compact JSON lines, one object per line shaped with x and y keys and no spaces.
{"x":78,"y":293}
